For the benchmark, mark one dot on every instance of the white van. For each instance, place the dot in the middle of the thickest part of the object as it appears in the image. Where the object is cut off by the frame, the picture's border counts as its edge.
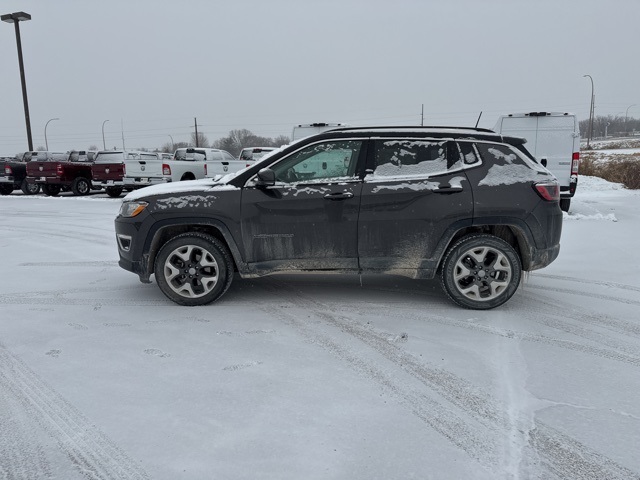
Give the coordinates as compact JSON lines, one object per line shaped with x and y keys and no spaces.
{"x":554,"y":139}
{"x":304,"y":130}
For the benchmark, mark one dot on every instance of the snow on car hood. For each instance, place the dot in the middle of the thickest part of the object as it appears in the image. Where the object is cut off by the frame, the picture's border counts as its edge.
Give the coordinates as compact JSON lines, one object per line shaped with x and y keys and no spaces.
{"x":202,"y":185}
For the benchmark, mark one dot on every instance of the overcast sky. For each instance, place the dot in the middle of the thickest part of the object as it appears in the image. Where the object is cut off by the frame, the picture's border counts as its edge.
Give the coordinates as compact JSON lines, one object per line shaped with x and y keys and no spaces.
{"x":150,"y":67}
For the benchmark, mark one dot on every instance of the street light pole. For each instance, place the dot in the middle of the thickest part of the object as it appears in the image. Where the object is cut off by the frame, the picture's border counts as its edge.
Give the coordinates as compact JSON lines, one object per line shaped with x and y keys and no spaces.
{"x":104,"y":145}
{"x":16,"y":18}
{"x":46,"y":144}
{"x":590,"y":114}
{"x":172,"y":143}
{"x":626,"y":115}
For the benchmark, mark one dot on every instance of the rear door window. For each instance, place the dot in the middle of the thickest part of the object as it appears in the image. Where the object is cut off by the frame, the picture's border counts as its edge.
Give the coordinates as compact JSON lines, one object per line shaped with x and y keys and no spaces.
{"x":413,"y":158}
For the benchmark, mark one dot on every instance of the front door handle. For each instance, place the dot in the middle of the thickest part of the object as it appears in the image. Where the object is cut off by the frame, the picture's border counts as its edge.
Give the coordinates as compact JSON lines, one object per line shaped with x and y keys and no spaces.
{"x":338,"y":196}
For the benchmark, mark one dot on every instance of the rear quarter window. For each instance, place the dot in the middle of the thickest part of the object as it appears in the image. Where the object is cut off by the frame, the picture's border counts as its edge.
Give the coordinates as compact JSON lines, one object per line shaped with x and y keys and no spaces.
{"x":507,"y":166}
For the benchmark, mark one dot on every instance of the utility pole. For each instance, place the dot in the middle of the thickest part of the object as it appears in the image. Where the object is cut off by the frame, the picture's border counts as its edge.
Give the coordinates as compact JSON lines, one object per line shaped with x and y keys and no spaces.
{"x":122,"y":129}
{"x":16,"y":18}
{"x":195,"y":120}
{"x":591,"y":112}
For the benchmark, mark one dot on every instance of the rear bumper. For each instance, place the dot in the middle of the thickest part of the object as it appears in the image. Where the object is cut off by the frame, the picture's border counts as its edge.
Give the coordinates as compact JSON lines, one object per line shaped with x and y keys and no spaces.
{"x":108,"y":183}
{"x":140,"y":182}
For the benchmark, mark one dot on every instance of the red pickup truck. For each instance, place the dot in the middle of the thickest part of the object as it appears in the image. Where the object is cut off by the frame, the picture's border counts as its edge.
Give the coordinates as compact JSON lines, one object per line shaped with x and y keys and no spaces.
{"x":56,"y":174}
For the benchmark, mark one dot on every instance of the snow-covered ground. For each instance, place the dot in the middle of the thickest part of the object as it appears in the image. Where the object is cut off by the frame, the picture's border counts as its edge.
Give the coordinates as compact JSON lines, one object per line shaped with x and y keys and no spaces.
{"x":315,"y":376}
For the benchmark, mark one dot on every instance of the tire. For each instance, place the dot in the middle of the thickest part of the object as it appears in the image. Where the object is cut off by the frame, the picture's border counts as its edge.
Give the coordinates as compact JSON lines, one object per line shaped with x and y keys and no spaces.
{"x":51,"y":190}
{"x":29,"y":188}
{"x":114,"y":192}
{"x":481,"y":272}
{"x":185,"y":261}
{"x":6,"y":189}
{"x":564,"y":204}
{"x":81,"y":186}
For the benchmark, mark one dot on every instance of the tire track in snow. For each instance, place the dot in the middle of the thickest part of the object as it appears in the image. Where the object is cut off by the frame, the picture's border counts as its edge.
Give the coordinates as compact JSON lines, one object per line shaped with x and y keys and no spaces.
{"x":562,"y":455}
{"x":600,"y":296}
{"x":627,"y":354}
{"x":90,"y":452}
{"x":432,"y":413}
{"x":620,"y":286}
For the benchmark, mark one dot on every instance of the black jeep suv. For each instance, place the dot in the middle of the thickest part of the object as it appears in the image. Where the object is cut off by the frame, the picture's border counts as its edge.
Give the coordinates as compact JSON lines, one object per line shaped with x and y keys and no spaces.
{"x":465,"y":203}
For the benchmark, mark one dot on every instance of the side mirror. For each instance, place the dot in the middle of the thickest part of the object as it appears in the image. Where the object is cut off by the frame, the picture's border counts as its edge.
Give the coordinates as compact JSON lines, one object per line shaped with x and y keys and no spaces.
{"x":266,"y":178}
{"x":543,"y":161}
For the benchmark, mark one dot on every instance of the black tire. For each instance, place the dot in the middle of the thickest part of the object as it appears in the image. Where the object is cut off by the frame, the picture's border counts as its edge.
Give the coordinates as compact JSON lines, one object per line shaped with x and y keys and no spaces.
{"x":6,"y":189}
{"x":179,"y":269}
{"x":51,"y":190}
{"x":81,"y":186}
{"x":114,"y":192}
{"x":481,"y":272}
{"x":564,"y":204}
{"x":29,"y":188}
{"x":188,"y":176}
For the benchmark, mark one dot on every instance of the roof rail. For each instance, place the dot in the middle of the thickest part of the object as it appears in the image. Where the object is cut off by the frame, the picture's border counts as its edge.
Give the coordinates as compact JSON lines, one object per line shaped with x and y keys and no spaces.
{"x":426,"y":127}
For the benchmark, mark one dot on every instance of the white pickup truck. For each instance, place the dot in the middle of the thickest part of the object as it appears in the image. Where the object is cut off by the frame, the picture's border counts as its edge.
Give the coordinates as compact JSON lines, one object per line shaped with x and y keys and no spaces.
{"x":129,"y":170}
{"x":193,"y":162}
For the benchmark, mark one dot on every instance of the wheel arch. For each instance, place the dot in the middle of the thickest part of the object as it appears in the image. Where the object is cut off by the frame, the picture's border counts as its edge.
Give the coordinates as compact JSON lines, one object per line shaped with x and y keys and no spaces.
{"x":511,"y":231}
{"x":165,"y":231}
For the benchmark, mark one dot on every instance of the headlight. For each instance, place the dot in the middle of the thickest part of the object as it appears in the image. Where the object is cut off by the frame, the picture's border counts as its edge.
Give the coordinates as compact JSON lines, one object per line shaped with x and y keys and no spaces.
{"x":131,"y":209}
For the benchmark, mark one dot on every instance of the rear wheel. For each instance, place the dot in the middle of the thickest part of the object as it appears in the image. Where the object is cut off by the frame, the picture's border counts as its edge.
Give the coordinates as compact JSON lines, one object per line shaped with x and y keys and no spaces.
{"x":81,"y":186}
{"x":51,"y":190}
{"x":114,"y":191}
{"x":481,"y":272}
{"x":6,"y":189}
{"x":29,"y":188}
{"x":193,"y":269}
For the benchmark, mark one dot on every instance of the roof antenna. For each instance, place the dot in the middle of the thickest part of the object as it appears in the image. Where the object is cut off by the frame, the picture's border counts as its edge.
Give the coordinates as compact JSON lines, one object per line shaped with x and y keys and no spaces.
{"x":478,"y":120}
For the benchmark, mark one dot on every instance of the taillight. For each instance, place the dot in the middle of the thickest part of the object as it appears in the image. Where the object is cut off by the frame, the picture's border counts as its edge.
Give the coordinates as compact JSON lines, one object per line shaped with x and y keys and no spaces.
{"x":8,"y":170}
{"x":166,"y":169}
{"x":59,"y":169}
{"x":575,"y":163}
{"x":549,"y":191}
{"x":124,"y":169}
{"x":205,"y":169}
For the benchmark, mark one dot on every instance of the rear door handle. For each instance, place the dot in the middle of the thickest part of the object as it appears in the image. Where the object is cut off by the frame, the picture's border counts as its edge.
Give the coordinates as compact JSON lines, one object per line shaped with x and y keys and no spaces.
{"x":447,"y":190}
{"x":338,"y":196}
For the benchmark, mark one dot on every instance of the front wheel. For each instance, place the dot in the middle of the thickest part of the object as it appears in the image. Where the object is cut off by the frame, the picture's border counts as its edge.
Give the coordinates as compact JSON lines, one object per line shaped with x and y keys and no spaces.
{"x":114,"y":192}
{"x":29,"y":188}
{"x":481,"y":272}
{"x":51,"y":190}
{"x":193,"y":269}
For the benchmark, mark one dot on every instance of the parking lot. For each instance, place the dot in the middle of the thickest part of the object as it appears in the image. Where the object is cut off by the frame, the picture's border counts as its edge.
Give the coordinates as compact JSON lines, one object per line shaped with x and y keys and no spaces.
{"x":315,"y":376}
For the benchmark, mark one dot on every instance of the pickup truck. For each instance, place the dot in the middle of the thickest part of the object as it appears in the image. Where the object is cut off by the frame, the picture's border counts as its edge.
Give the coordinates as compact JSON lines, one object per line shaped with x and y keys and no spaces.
{"x":116,"y":171}
{"x":13,"y":176}
{"x":193,"y":163}
{"x":55,"y":174}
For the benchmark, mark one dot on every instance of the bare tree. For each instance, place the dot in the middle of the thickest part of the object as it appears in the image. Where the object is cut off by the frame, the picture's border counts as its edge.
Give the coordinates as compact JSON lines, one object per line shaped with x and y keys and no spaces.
{"x":203,"y":141}
{"x":239,"y":139}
